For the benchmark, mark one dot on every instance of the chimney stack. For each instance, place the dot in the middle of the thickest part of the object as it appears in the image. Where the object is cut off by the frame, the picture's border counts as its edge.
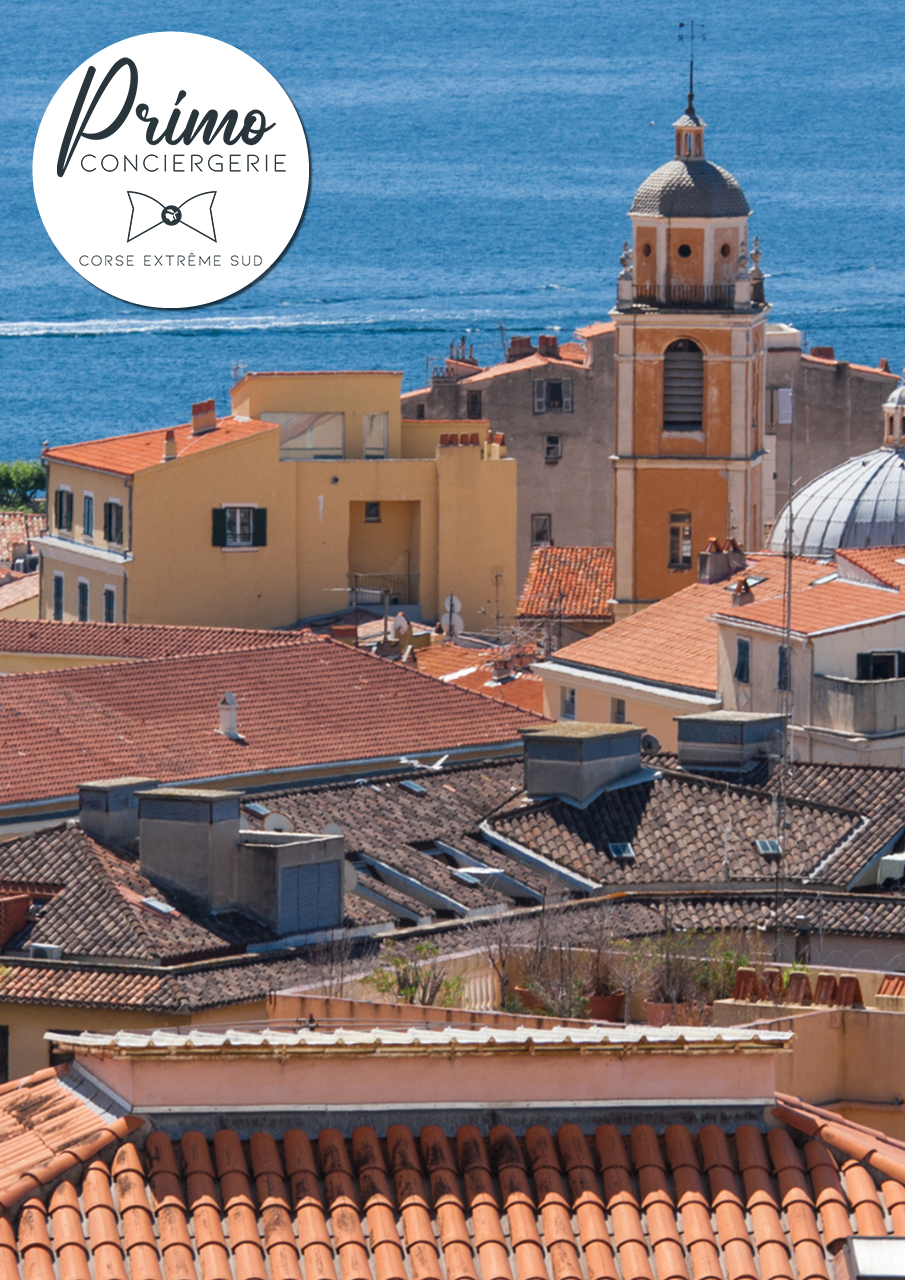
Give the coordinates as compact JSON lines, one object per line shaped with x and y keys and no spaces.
{"x":204,"y":417}
{"x":713,"y":564}
{"x":169,"y":445}
{"x":548,"y":345}
{"x":108,"y":810}
{"x":575,"y":761}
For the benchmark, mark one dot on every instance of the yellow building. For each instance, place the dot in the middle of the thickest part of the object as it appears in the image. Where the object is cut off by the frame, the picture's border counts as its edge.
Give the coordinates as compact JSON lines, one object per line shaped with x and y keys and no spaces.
{"x":312,"y":487}
{"x":690,"y":352}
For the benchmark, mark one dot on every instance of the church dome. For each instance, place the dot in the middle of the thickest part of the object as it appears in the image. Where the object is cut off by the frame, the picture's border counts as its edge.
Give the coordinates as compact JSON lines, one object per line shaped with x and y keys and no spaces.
{"x":858,"y":504}
{"x":690,"y":189}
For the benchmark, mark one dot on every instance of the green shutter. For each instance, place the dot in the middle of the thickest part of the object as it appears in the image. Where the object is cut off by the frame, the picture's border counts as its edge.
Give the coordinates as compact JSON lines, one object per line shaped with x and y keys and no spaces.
{"x":259,"y":527}
{"x":219,"y":523}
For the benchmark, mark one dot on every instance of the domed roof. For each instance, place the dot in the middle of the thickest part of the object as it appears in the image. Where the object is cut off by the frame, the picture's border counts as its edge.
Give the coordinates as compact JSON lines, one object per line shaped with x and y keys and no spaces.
{"x":858,"y":504}
{"x":896,"y":397}
{"x":690,"y":189}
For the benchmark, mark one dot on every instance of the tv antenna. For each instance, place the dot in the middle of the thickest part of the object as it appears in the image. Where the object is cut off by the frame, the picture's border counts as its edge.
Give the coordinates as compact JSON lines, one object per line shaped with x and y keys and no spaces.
{"x":686,"y":31}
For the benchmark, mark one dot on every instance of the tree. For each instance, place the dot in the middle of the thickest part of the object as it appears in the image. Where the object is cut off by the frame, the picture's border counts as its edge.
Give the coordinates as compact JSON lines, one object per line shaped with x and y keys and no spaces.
{"x":20,"y":483}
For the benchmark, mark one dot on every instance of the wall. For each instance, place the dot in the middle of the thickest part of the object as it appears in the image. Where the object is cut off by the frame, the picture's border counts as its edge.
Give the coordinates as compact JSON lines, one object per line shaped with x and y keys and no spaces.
{"x":353,"y":393}
{"x":99,"y":574}
{"x":421,"y":439}
{"x":388,"y":546}
{"x":29,"y":610}
{"x":655,"y":712}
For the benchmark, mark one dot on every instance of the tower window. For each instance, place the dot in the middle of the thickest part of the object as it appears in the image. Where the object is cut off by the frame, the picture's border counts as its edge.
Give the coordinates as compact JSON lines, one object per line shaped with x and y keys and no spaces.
{"x":646,"y":250}
{"x":683,"y":386}
{"x":684,"y":250}
{"x":726,"y":250}
{"x":680,"y":540}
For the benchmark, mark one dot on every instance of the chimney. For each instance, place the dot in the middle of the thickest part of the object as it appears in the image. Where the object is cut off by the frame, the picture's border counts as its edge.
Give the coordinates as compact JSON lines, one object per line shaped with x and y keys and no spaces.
{"x":548,"y":345}
{"x":823,"y":353}
{"x":519,"y":348}
{"x":713,"y":564}
{"x":229,"y":717}
{"x":108,"y":810}
{"x":191,"y":841}
{"x":204,"y":417}
{"x":575,"y":761}
{"x":742,"y":593}
{"x":737,"y":560}
{"x":169,"y":445}
{"x":728,"y":740}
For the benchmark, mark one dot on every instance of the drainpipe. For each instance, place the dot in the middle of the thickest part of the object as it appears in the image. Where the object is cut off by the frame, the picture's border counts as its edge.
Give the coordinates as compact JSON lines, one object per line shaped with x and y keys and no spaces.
{"x":810,"y":646}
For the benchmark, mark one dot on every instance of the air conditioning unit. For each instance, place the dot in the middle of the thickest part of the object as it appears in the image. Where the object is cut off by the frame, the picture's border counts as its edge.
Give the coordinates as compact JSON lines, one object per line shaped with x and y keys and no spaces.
{"x":45,"y":951}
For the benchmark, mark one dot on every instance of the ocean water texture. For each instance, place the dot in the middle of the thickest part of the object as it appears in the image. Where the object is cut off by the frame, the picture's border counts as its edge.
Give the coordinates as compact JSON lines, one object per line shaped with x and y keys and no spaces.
{"x":472,"y":166}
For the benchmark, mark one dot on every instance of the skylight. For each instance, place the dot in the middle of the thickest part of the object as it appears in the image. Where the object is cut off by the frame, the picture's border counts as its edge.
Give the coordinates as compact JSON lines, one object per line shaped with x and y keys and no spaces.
{"x":769,"y":849}
{"x":622,"y":850}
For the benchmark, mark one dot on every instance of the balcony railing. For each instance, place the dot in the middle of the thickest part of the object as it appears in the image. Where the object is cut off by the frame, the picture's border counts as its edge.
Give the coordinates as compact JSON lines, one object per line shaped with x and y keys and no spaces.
{"x":868,"y":707}
{"x":369,"y":588}
{"x":686,"y":297}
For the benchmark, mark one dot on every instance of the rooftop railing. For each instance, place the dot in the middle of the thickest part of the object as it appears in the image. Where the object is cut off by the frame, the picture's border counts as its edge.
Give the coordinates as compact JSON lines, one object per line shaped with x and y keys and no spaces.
{"x":686,"y":297}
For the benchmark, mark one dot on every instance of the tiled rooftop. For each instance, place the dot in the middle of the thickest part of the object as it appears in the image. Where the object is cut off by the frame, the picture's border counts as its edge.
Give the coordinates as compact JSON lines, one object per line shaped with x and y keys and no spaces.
{"x":535,"y":361}
{"x":126,"y":640}
{"x":474,"y":669}
{"x":679,"y":632}
{"x":568,"y":582}
{"x":19,"y":526}
{"x":562,"y":1204}
{"x":22,"y":587}
{"x":822,"y":608}
{"x":124,"y":455}
{"x":299,"y":706}
{"x":883,"y":564}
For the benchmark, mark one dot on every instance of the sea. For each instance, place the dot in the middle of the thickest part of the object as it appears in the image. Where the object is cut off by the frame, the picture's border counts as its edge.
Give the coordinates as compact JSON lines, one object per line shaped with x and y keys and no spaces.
{"x":472,"y":167}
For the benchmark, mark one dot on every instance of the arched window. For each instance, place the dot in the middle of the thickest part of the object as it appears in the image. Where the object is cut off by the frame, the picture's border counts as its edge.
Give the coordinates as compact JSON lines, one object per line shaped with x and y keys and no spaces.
{"x":683,"y":386}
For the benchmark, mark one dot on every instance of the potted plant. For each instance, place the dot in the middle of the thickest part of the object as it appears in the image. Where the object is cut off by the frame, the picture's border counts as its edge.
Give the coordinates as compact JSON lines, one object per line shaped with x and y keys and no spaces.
{"x":675,"y":995}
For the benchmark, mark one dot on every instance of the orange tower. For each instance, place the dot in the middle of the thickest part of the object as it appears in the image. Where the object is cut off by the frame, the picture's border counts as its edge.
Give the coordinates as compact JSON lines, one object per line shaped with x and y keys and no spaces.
{"x":690,"y":349}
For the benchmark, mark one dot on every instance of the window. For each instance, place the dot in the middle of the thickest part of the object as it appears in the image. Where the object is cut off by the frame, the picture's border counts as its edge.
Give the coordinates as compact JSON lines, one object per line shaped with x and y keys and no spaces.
{"x":83,"y":600}
{"x":473,"y":404}
{"x":617,"y":710}
{"x":553,"y":397}
{"x":62,"y":503}
{"x":742,"y":671}
{"x":88,"y":515}
{"x":374,"y":432}
{"x":680,"y":540}
{"x":784,"y":667}
{"x":372,"y":513}
{"x":725,"y":250}
{"x":308,"y":436}
{"x":109,"y":604}
{"x":541,"y":531}
{"x":113,"y":522}
{"x":684,"y":250}
{"x":58,"y":597}
{"x":646,"y":250}
{"x":880,"y":666}
{"x":419,"y":412}
{"x":239,"y":526}
{"x":553,"y":449}
{"x":683,"y":386}
{"x":567,"y":704}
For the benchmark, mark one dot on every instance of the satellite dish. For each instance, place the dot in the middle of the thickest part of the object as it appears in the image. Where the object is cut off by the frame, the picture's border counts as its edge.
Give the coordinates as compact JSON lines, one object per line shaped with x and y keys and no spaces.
{"x":331,"y":829}
{"x":401,"y":624}
{"x":649,"y":745}
{"x":277,"y":822}
{"x":452,"y":623}
{"x":452,"y":604}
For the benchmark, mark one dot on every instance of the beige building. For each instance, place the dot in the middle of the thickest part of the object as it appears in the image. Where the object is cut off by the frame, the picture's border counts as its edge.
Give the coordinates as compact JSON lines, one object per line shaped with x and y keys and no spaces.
{"x":311,"y":490}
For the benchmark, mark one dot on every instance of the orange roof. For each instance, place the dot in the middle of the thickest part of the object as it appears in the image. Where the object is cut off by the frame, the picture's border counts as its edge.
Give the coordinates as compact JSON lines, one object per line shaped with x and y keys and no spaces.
{"x":568,"y":582}
{"x":124,"y":455}
{"x":315,"y":373}
{"x":883,"y":564}
{"x":300,"y":705}
{"x":576,"y":351}
{"x":535,"y":361}
{"x":21,"y":588}
{"x":594,"y":330}
{"x":830,"y":606}
{"x":19,"y":526}
{"x":674,"y":642}
{"x":132,"y":640}
{"x":474,"y":669}
{"x":47,"y":1131}
{"x":862,"y":368}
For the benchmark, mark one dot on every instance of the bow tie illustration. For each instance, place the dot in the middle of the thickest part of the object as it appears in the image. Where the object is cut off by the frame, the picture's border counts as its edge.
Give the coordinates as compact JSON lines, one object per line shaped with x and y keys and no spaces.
{"x":148,"y":213}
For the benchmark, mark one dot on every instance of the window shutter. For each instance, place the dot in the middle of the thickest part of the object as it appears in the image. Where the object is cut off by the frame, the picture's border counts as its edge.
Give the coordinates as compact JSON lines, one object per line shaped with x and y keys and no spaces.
{"x":863,"y":672}
{"x":567,"y":395}
{"x":58,"y":508}
{"x":540,"y":396}
{"x":219,"y":527}
{"x":900,"y":669}
{"x":259,"y":527}
{"x":108,"y":522}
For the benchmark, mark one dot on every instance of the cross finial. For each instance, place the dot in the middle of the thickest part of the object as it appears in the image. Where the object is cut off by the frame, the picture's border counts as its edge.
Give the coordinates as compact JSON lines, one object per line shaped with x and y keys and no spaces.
{"x":690,"y":107}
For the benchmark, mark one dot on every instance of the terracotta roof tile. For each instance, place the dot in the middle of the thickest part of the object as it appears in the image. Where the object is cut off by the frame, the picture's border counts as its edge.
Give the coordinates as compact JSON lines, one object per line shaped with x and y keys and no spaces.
{"x":861,"y":368}
{"x":124,"y":455}
{"x":568,"y":582}
{"x":300,"y":705}
{"x":534,"y":361}
{"x":475,"y":669}
{"x":24,"y":587}
{"x":19,"y":527}
{"x":679,"y":630}
{"x":829,"y":606}
{"x":124,"y":640}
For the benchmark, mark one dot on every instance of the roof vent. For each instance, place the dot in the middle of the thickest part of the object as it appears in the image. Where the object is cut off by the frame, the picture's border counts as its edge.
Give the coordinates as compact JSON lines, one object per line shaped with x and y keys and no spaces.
{"x":576,"y":761}
{"x":229,"y":717}
{"x":169,"y":445}
{"x":204,"y":417}
{"x":728,"y":739}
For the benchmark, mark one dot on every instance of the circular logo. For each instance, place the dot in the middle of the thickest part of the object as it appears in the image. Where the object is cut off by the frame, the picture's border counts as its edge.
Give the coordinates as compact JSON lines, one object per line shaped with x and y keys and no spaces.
{"x":171,"y":170}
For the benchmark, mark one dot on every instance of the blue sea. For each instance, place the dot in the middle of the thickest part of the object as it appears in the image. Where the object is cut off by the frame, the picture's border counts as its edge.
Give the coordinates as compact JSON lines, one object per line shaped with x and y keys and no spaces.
{"x":472,"y":165}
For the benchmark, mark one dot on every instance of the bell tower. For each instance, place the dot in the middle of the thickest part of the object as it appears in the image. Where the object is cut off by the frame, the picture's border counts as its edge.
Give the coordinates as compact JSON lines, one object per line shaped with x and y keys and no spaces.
{"x":690,"y":352}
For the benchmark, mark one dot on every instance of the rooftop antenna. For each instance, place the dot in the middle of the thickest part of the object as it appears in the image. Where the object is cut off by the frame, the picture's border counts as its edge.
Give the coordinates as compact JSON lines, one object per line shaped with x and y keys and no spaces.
{"x":786,"y":701}
{"x":683,"y":26}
